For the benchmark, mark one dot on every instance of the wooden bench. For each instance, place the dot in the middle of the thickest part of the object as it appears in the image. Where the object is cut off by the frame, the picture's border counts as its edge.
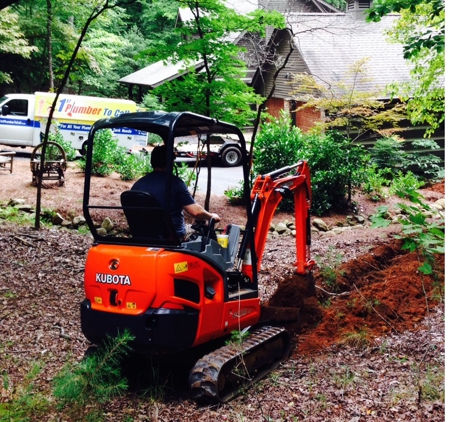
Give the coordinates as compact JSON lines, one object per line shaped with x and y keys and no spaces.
{"x":6,"y":158}
{"x":54,"y":165}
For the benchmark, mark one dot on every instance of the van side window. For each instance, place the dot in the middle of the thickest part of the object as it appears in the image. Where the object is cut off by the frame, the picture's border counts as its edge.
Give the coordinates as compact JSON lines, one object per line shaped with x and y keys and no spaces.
{"x":18,"y":107}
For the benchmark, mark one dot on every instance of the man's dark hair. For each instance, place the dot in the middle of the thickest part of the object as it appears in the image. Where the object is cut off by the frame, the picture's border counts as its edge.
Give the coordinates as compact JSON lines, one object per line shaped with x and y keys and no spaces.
{"x":158,"y":158}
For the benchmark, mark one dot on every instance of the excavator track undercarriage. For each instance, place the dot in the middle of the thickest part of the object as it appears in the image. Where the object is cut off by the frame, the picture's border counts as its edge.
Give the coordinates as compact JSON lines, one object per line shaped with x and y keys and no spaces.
{"x":227,"y":371}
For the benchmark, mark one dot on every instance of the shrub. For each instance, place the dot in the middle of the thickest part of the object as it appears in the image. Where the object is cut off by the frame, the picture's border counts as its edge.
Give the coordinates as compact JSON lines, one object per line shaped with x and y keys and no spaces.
{"x":133,"y":166}
{"x":423,"y":161}
{"x":106,"y":155}
{"x":388,"y":153}
{"x":69,"y":150}
{"x":375,"y":183}
{"x":405,"y":182}
{"x":419,"y":233}
{"x":277,"y":145}
{"x":337,"y":166}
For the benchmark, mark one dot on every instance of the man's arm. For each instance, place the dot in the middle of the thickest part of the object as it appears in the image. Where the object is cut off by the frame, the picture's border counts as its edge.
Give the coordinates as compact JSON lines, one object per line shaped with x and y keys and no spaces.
{"x":199,"y":213}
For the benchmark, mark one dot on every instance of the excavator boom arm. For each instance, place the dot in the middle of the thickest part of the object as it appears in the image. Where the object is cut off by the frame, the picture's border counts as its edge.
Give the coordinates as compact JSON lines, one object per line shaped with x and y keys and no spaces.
{"x":267,"y":193}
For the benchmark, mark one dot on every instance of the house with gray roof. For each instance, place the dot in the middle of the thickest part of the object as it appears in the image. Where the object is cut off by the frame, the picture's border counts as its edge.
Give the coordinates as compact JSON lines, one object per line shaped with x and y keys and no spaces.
{"x":159,"y":73}
{"x":326,"y":47}
{"x":319,"y":41}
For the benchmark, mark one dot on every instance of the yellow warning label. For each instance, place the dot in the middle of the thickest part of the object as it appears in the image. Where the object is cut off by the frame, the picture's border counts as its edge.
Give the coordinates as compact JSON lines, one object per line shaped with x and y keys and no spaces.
{"x":131,"y":305}
{"x":98,"y":300}
{"x":181,"y":267}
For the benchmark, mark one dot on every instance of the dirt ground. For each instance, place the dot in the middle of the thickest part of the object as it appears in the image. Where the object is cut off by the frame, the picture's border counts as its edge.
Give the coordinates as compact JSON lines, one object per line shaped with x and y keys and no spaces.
{"x":354,"y":349}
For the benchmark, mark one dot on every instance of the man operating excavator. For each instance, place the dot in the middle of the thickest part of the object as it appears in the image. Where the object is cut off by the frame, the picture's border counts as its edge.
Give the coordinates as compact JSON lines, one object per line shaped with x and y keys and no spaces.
{"x":180,"y":200}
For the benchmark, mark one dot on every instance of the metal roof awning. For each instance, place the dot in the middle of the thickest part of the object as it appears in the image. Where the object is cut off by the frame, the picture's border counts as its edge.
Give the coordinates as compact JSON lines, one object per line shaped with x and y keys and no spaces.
{"x":158,"y":73}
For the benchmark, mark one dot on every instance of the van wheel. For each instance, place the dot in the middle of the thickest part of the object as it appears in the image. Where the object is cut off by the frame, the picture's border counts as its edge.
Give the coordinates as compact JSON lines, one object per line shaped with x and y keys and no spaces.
{"x":231,"y":157}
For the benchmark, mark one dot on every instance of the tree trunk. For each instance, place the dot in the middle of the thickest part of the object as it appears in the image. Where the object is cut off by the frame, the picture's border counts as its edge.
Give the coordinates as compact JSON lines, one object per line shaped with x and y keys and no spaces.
{"x":49,"y":17}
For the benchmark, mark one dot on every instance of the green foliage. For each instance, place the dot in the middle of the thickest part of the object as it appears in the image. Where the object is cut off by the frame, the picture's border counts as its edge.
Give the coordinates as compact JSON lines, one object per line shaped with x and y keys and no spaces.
{"x":346,"y":109}
{"x":12,"y":42}
{"x":405,"y":182}
{"x":421,"y":30}
{"x":212,"y":83}
{"x":336,"y":166}
{"x":423,"y":160}
{"x":132,"y":166}
{"x":69,"y":150}
{"x":187,"y":174}
{"x":278,"y":144}
{"x":238,"y":337}
{"x":107,"y":155}
{"x":329,"y":267}
{"x":25,"y":401}
{"x":419,"y":232}
{"x":81,"y":388}
{"x":387,"y":153}
{"x":235,"y":195}
{"x":154,"y":139}
{"x":14,"y":215}
{"x":359,"y":339}
{"x":375,"y":183}
{"x":430,"y":37}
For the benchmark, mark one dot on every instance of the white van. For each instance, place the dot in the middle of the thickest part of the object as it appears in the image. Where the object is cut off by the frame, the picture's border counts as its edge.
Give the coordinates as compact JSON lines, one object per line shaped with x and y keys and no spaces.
{"x":24,"y":116}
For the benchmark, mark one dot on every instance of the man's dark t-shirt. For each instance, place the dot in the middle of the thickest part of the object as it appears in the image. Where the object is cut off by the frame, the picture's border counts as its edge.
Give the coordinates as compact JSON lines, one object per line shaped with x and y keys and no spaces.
{"x":154,"y":183}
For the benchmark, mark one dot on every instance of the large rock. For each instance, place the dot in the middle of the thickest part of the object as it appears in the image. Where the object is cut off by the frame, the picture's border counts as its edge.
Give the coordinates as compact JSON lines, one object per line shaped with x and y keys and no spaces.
{"x":107,"y":224}
{"x":320,"y":225}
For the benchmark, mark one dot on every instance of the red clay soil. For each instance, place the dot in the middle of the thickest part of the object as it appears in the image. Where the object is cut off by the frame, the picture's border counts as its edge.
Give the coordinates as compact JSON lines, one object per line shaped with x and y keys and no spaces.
{"x":378,"y":293}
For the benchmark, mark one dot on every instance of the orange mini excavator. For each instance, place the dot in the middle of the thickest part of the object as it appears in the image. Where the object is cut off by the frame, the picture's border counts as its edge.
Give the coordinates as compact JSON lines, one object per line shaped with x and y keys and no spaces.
{"x":175,"y":296}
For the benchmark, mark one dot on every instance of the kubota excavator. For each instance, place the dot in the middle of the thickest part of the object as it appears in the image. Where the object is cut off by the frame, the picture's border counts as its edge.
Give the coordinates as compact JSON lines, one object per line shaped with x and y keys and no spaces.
{"x":175,"y":296}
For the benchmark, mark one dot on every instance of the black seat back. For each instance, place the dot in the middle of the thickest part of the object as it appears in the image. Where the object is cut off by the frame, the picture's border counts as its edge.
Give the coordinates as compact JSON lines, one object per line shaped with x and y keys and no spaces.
{"x":146,"y":218}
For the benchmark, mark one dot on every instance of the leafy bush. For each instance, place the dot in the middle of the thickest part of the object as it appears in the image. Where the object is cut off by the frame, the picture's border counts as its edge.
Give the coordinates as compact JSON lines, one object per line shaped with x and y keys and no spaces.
{"x":405,"y":182}
{"x":69,"y":150}
{"x":336,"y":164}
{"x":375,"y":183}
{"x":388,"y":153}
{"x":154,"y":139}
{"x":187,"y":174}
{"x":419,"y":233}
{"x":336,"y":167}
{"x":236,"y":194}
{"x":133,"y":166}
{"x":107,"y":155}
{"x":277,"y":145}
{"x":428,"y":164}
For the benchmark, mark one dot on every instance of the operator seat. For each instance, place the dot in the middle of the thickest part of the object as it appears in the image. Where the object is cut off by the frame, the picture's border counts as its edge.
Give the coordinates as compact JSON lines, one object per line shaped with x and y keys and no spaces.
{"x":147,"y":219}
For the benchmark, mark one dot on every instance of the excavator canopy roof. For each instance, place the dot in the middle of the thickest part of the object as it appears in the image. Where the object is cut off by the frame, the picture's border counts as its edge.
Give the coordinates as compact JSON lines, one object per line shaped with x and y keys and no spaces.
{"x":169,"y":125}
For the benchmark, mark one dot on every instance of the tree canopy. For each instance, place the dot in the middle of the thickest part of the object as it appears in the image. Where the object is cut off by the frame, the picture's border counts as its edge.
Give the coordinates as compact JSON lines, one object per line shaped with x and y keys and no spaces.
{"x":213,"y":64}
{"x":421,"y":31}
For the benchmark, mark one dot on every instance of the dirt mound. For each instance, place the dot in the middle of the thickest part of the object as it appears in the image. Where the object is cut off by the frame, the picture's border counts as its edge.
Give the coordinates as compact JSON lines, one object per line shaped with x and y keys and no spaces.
{"x":378,"y":293}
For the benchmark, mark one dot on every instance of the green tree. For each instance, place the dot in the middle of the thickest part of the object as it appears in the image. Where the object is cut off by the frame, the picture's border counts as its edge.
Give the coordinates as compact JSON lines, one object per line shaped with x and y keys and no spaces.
{"x":346,"y":108}
{"x":12,"y":43}
{"x":217,"y":89}
{"x":212,"y":82}
{"x":421,"y":30}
